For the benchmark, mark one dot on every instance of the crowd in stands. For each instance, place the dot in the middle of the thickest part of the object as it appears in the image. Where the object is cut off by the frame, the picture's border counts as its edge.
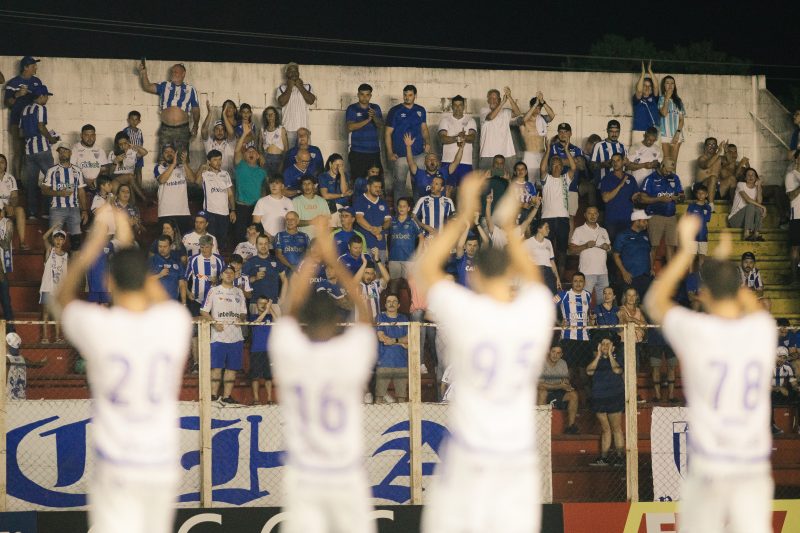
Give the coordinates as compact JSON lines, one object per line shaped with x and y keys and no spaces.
{"x":263,"y":181}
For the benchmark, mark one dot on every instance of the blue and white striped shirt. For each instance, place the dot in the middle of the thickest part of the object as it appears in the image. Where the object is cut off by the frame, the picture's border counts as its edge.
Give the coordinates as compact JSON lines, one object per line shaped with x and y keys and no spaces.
{"x":170,"y":95}
{"x":29,"y":121}
{"x":59,"y":178}
{"x":575,"y":308}
{"x":434,"y":211}
{"x":135,"y":135}
{"x":604,"y":150}
{"x":371,"y":292}
{"x":670,"y":124}
{"x":202,"y":274}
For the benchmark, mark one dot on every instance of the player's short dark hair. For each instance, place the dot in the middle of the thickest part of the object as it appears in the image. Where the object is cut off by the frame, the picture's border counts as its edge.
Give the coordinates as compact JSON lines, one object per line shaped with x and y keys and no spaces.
{"x":710,"y":139}
{"x":594,"y":138}
{"x":374,"y":179}
{"x":731,"y":145}
{"x":129,"y":269}
{"x":87,"y":127}
{"x":165,"y":238}
{"x":721,"y":278}
{"x":355,"y":239}
{"x":135,"y":113}
{"x":699,"y":187}
{"x":457,"y":98}
{"x":102,"y":180}
{"x":365,"y":87}
{"x":652,"y":130}
{"x":406,"y":199}
{"x":262,"y":235}
{"x":492,"y":262}
{"x":236,"y":258}
{"x":212,"y":154}
{"x":318,"y":311}
{"x":579,"y":273}
{"x":277,"y":178}
{"x":410,"y":88}
{"x":312,"y":179}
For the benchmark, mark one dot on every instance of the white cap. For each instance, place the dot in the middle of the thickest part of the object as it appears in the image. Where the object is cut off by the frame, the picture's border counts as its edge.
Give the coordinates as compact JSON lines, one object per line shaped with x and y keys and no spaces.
{"x":783,"y":351}
{"x":13,"y":340}
{"x":639,"y":214}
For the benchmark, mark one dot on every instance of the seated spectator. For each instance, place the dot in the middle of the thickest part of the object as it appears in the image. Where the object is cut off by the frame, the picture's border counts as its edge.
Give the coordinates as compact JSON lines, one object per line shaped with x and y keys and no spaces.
{"x":342,"y":235}
{"x":249,"y":180}
{"x":731,"y":169}
{"x":785,"y":389}
{"x":540,"y":249}
{"x":293,"y":173}
{"x":360,"y":183}
{"x":247,"y":249}
{"x":334,"y":185}
{"x":239,"y":279}
{"x":633,"y":254}
{"x":225,"y":305}
{"x":434,"y":209}
{"x":422,"y":177}
{"x":661,"y":191}
{"x":751,"y":276}
{"x":645,"y":103}
{"x":370,"y":284}
{"x":270,"y":210}
{"x":218,"y":200}
{"x":673,"y":112}
{"x":291,"y":244}
{"x":168,"y":269}
{"x":177,"y":250}
{"x":56,"y":257}
{"x":124,"y":158}
{"x":354,"y":257}
{"x":592,"y":243}
{"x":246,"y":124}
{"x":294,"y":96}
{"x":643,"y":158}
{"x":222,"y":138}
{"x":274,"y":141}
{"x":619,"y":192}
{"x":608,"y":402}
{"x":125,"y":202}
{"x":364,"y":122}
{"x":404,"y":236}
{"x":17,"y":365}
{"x":202,"y":273}
{"x":788,"y":339}
{"x":191,"y":240}
{"x":554,"y":387}
{"x":392,"y":353}
{"x":173,"y":193}
{"x":309,"y":205}
{"x":260,"y":366}
{"x":410,"y":118}
{"x":555,"y":184}
{"x":372,"y":215}
{"x":533,"y":127}
{"x":604,"y":150}
{"x":304,"y":144}
{"x":701,"y":208}
{"x":457,"y":129}
{"x":267,"y":276}
{"x":709,"y":165}
{"x":747,"y":209}
{"x":496,"y":127}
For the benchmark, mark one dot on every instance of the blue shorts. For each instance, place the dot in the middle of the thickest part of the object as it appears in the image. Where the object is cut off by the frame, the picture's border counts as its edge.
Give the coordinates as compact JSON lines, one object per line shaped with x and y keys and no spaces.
{"x":454,"y":179}
{"x":99,"y":297}
{"x":227,"y":355}
{"x":610,"y":404}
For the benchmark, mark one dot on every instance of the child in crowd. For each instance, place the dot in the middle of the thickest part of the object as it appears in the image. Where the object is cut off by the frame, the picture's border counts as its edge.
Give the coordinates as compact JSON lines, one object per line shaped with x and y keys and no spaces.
{"x":137,"y":139}
{"x":17,"y":382}
{"x":55,"y":268}
{"x":370,"y":284}
{"x":702,"y":209}
{"x":240,"y":280}
{"x":260,"y":367}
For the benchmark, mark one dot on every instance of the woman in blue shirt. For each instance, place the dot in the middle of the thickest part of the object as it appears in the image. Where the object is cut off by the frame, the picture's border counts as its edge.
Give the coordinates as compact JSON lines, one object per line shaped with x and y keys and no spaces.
{"x":645,"y":104}
{"x":608,"y":401}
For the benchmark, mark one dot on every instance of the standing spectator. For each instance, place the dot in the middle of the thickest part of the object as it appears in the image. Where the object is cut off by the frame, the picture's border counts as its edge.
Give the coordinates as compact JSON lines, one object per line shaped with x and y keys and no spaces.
{"x":561,"y":144}
{"x":274,"y":141}
{"x":794,"y":141}
{"x":533,"y":128}
{"x":260,"y":366}
{"x":709,"y":165}
{"x":606,"y":313}
{"x":270,"y":211}
{"x":334,"y":186}
{"x":792,"y":184}
{"x":178,"y":103}
{"x":661,"y":191}
{"x":219,"y":140}
{"x":246,"y":124}
{"x":619,"y":191}
{"x":136,"y":138}
{"x":56,"y":259}
{"x":750,"y":275}
{"x":555,"y":188}
{"x":168,"y":269}
{"x":673,"y":114}
{"x":125,"y":201}
{"x":304,"y":143}
{"x":123,"y":160}
{"x":604,"y":150}
{"x":422,"y":177}
{"x":291,"y":244}
{"x":173,"y":192}
{"x":192,"y":240}
{"x":372,"y":216}
{"x":370,"y":285}
{"x":631,"y":313}
{"x":38,"y":158}
{"x":433,"y":210}
{"x":239,"y":279}
{"x":540,"y":249}
{"x":748,"y":210}
{"x":497,"y":235}
{"x":592,"y":243}
{"x":249,"y":181}
{"x":702,"y":209}
{"x":404,"y":235}
{"x":225,"y":305}
{"x":68,"y":207}
{"x":267,"y":276}
{"x":202,"y":273}
{"x":608,"y":402}
{"x":496,"y":127}
{"x":9,"y":201}
{"x":645,"y":103}
{"x":525,"y":189}
{"x":247,"y":248}
{"x":575,"y":308}
{"x":218,"y":201}
{"x":19,"y":94}
{"x":309,"y":205}
{"x":456,"y":130}
{"x":554,"y":387}
{"x":6,"y":266}
{"x":90,"y":159}
{"x":341,"y":235}
{"x":633,"y":254}
{"x":296,"y":171}
{"x":364,"y":122}
{"x":392,"y":353}
{"x":498,"y":183}
{"x":643,"y":158}
{"x":410,"y":118}
{"x":294,"y":97}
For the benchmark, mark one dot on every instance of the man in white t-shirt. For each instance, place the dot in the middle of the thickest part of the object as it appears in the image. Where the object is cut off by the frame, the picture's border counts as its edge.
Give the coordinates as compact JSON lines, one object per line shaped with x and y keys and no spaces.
{"x":270,"y":211}
{"x":133,"y":365}
{"x":218,"y":200}
{"x":90,"y":159}
{"x":592,"y":243}
{"x":727,"y":357}
{"x":644,"y":157}
{"x":220,"y":141}
{"x":556,"y":181}
{"x":294,"y":97}
{"x":173,"y":192}
{"x":488,"y":479}
{"x":191,"y":241}
{"x":323,"y":370}
{"x":496,"y":127}
{"x":792,"y":183}
{"x":455,"y":127}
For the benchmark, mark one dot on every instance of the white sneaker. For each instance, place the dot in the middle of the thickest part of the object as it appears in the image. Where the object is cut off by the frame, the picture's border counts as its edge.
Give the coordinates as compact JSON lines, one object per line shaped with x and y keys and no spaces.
{"x":368,"y":397}
{"x":423,"y":369}
{"x":388,"y":399}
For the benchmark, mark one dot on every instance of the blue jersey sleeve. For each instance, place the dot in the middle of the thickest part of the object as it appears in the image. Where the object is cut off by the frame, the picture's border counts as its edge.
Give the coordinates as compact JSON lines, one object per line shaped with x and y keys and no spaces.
{"x":160,"y":88}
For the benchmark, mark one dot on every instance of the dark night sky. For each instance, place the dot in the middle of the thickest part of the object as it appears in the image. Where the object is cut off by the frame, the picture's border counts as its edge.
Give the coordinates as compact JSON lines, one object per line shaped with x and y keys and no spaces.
{"x":527,"y":26}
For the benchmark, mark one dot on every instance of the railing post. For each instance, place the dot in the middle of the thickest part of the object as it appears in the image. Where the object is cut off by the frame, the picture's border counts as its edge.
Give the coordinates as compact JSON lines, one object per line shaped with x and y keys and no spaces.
{"x":3,"y":451}
{"x":415,"y":411}
{"x":631,"y":414}
{"x":204,"y":383}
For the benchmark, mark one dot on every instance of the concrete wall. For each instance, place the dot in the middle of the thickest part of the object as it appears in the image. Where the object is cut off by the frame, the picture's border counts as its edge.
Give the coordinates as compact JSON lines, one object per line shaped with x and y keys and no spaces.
{"x":102,"y":91}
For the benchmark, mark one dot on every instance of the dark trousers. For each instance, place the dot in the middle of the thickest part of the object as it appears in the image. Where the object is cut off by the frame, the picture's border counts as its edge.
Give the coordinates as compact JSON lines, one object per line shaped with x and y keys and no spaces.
{"x":218,"y":226}
{"x":35,"y":163}
{"x":244,"y":216}
{"x":559,"y":236}
{"x":360,"y":163}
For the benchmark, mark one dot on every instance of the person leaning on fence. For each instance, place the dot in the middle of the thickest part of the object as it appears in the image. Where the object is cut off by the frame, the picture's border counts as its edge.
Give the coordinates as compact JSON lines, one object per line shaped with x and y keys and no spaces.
{"x":260,"y":366}
{"x":392,"y":353}
{"x":554,"y":387}
{"x":608,"y":401}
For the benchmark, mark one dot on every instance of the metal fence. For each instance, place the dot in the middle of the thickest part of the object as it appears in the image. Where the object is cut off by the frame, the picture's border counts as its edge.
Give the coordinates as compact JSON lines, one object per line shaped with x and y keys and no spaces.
{"x":234,"y":456}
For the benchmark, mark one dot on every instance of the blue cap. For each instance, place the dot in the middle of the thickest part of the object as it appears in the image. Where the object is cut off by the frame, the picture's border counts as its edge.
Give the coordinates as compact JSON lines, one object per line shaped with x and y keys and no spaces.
{"x":202,"y":214}
{"x":28,"y":60}
{"x":40,"y":90}
{"x":348,"y":209}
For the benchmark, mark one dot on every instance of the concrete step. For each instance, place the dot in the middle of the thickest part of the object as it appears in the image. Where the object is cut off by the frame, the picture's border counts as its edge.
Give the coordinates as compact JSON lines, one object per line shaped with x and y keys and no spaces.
{"x":28,"y":266}
{"x":778,"y":248}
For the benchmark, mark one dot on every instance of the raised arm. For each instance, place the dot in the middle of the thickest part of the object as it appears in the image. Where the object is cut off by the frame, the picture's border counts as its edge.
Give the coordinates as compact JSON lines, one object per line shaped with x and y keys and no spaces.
{"x":505,"y":215}
{"x":656,"y":88}
{"x":206,"y":122}
{"x":146,"y":84}
{"x":408,"y":140}
{"x":640,"y":84}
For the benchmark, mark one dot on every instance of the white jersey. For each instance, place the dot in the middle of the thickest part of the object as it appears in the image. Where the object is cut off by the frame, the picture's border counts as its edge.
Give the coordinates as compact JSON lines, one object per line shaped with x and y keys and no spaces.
{"x":55,"y":268}
{"x":226,"y":305}
{"x":246,"y":249}
{"x":17,"y":380}
{"x":792,"y":182}
{"x":496,"y":363}
{"x":173,"y":195}
{"x":322,"y":384}
{"x":90,"y":159}
{"x":134,"y":366}
{"x":226,"y":148}
{"x":8,"y":184}
{"x":215,"y":191}
{"x":452,"y":126}
{"x":273,"y":213}
{"x":726,"y":367}
{"x":640,"y":153}
{"x":128,"y":164}
{"x":191,"y":241}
